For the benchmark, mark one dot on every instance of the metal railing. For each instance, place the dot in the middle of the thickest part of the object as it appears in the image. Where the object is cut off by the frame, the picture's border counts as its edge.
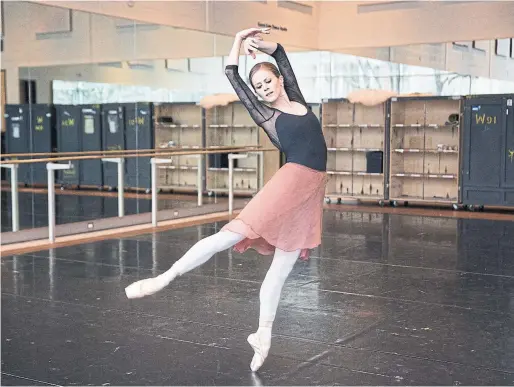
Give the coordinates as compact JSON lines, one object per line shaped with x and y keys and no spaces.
{"x":52,"y":165}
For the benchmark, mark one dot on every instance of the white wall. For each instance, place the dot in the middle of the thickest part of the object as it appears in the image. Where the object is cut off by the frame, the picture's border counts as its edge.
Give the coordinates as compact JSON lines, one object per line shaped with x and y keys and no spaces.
{"x":35,"y":37}
{"x":95,"y":38}
{"x":447,"y":56}
{"x":219,"y":17}
{"x":484,"y":63}
{"x":157,"y":77}
{"x":331,"y":25}
{"x":320,"y":74}
{"x":345,"y":25}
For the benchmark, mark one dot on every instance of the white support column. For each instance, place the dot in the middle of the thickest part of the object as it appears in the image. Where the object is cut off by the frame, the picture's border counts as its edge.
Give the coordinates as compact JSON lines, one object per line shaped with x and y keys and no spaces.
{"x":199,"y":179}
{"x":260,"y":162}
{"x":154,"y":191}
{"x":15,"y":214}
{"x":15,"y":209}
{"x":231,"y":158}
{"x":121,"y":188}
{"x":121,"y":183}
{"x":51,"y":167}
{"x":154,"y":162}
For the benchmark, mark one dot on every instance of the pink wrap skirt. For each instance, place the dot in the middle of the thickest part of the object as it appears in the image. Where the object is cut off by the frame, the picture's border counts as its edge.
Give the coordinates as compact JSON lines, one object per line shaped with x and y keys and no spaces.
{"x":286,"y":213}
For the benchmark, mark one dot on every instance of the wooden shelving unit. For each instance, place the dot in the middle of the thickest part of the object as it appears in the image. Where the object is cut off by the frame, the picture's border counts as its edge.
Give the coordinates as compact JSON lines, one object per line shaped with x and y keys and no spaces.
{"x":179,"y":125}
{"x":352,"y":131}
{"x":424,"y":160}
{"x":231,"y":125}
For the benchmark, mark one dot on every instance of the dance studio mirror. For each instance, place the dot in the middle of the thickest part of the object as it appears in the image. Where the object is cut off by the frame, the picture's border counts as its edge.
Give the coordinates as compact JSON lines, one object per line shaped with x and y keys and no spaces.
{"x":87,"y":82}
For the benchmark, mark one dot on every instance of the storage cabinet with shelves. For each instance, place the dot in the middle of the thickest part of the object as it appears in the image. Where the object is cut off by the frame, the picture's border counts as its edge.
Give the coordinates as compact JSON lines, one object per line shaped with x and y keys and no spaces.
{"x":231,"y":125}
{"x":356,"y":140}
{"x":179,"y":125}
{"x":424,"y":160}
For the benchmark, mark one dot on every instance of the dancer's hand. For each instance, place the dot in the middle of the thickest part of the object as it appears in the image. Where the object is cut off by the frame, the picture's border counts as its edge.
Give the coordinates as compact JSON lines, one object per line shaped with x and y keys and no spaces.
{"x":244,"y":34}
{"x":251,"y":45}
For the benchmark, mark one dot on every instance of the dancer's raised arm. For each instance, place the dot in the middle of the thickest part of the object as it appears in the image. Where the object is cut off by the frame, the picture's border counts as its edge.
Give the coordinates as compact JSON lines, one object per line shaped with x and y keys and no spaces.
{"x":259,"y":112}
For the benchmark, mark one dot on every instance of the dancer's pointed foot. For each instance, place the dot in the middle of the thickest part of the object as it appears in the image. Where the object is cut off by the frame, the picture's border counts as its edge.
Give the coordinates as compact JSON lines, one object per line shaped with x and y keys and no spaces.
{"x":147,"y":287}
{"x":261,"y":343}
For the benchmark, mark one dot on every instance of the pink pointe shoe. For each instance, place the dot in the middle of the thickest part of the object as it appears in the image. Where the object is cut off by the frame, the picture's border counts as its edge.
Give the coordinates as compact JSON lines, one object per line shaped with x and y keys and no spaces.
{"x":261,"y":343}
{"x":146,"y":287}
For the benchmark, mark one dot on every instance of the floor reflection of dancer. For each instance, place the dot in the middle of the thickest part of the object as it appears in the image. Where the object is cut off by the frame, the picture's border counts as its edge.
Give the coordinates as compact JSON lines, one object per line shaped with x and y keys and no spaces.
{"x":285,"y":217}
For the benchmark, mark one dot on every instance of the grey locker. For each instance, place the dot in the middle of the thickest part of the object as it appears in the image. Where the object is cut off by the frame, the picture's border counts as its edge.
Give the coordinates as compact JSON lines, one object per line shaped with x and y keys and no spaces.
{"x":91,"y":171}
{"x":42,"y":124}
{"x":113,"y":138}
{"x":487,"y":171}
{"x":18,"y":137}
{"x":139,"y":134}
{"x":68,"y":140}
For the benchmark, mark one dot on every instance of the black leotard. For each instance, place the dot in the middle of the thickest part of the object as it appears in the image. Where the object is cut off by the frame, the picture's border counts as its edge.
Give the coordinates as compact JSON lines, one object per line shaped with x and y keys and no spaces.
{"x":299,"y":137}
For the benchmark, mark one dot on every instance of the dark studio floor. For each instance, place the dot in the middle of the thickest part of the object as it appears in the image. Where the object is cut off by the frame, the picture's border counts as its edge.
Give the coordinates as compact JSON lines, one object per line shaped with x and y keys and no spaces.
{"x":386,"y":300}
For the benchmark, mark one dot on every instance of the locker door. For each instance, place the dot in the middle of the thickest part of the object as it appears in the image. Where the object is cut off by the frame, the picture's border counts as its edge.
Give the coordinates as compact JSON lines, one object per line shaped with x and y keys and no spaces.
{"x":91,"y":170}
{"x":113,"y":135}
{"x":18,"y":137}
{"x":508,"y":181}
{"x":42,"y":138}
{"x":509,"y":148}
{"x":68,"y":140}
{"x":483,"y":144}
{"x":139,"y":135}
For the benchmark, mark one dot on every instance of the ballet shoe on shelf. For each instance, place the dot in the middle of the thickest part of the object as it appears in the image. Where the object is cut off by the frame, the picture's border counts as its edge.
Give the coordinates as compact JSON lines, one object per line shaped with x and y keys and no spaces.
{"x":146,"y":287}
{"x":261,"y":343}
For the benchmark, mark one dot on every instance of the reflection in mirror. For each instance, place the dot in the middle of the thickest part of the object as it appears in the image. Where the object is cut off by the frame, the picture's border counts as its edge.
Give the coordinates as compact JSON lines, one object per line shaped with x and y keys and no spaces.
{"x":121,"y":257}
{"x":51,"y":274}
{"x":102,"y":83}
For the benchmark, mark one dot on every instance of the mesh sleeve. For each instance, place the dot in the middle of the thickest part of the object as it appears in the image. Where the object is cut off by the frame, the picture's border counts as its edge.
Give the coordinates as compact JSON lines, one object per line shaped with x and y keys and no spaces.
{"x":259,"y":112}
{"x":264,"y":116}
{"x":290,"y":82}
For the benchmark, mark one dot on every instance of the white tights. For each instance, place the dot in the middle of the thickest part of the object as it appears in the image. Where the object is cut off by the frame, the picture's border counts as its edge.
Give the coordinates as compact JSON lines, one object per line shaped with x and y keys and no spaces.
{"x":271,"y":288}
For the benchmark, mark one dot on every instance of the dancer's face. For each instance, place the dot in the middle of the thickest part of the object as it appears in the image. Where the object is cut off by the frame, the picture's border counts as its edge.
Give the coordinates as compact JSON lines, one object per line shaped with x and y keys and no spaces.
{"x":267,"y":85}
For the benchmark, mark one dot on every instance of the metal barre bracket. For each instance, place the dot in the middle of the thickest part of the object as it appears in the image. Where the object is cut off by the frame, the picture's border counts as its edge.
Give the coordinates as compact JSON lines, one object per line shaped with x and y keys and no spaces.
{"x":156,"y":161}
{"x":121,"y":182}
{"x":51,"y":167}
{"x":231,"y":158}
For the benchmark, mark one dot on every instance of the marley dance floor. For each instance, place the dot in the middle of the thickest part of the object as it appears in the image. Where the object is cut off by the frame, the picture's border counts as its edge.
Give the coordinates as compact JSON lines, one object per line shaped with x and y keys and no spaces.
{"x":386,"y":300}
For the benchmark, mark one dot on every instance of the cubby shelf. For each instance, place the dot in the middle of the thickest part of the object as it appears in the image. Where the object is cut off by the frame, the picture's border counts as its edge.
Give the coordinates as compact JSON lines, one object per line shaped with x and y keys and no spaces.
{"x":179,"y":125}
{"x":354,"y":134}
{"x":424,"y":143}
{"x":231,"y":125}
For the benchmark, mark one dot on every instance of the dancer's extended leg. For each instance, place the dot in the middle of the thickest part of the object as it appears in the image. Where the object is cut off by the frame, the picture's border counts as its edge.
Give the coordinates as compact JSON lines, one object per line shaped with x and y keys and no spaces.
{"x":271,"y":289}
{"x":197,"y":255}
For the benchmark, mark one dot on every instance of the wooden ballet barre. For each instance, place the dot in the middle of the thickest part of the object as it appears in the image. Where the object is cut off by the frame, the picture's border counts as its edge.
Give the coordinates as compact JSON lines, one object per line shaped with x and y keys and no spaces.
{"x":132,"y":155}
{"x":111,"y":153}
{"x":153,"y":154}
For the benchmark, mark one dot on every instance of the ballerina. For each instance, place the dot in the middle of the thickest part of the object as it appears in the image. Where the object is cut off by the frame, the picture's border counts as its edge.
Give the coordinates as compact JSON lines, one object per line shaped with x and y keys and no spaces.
{"x":284,"y":219}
